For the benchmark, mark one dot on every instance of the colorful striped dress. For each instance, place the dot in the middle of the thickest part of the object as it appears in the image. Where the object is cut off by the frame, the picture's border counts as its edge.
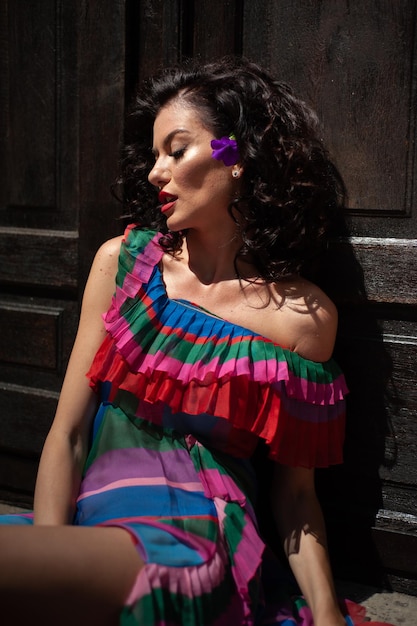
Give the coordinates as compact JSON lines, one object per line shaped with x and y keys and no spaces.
{"x":185,"y":399}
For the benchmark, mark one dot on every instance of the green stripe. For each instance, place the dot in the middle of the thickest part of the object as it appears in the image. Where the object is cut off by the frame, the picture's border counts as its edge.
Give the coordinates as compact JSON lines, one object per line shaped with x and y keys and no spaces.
{"x":118,"y":431}
{"x":188,"y":352}
{"x":233,"y":527}
{"x":195,"y":526}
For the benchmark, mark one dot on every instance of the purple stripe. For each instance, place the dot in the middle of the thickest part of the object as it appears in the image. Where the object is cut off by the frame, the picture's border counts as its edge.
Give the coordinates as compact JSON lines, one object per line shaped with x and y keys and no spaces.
{"x":315,"y":413}
{"x":114,"y":465}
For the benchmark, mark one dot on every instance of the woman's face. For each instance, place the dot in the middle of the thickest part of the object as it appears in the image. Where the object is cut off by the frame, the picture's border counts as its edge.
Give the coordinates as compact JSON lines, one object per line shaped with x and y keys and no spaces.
{"x":196,"y":190}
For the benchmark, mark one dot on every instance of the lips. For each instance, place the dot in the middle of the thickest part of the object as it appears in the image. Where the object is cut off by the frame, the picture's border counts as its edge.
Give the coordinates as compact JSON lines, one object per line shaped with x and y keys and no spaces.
{"x":164,"y":196}
{"x":167,"y":200}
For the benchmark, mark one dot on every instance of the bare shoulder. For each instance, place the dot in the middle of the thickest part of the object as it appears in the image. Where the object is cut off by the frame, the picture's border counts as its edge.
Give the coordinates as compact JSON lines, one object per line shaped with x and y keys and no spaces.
{"x":106,"y":258}
{"x":311,"y":317}
{"x":101,"y":280}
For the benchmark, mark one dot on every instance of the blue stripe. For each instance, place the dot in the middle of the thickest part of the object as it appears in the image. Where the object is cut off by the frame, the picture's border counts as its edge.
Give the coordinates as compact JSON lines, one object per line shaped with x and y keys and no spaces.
{"x":161,"y":501}
{"x":163,"y":548}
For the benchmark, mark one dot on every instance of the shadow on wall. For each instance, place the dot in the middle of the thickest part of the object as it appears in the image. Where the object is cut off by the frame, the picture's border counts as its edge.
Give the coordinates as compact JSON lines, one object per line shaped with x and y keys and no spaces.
{"x":351,"y":494}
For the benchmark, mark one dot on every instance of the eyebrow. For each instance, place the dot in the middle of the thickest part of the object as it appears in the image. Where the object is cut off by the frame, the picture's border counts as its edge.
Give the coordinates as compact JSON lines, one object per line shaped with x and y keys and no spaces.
{"x":171,"y":135}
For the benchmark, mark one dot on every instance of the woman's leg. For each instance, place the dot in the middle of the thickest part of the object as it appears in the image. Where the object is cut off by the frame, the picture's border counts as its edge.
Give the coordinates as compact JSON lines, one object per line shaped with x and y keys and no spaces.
{"x":65,"y":574}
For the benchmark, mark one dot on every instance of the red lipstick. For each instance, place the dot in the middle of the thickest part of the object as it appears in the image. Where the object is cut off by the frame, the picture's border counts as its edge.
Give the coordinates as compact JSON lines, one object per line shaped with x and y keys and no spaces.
{"x":167,"y":200}
{"x":167,"y":206}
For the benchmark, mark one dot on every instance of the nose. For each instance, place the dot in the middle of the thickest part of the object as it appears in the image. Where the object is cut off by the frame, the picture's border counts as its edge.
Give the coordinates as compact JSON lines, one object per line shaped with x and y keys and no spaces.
{"x":159,"y":174}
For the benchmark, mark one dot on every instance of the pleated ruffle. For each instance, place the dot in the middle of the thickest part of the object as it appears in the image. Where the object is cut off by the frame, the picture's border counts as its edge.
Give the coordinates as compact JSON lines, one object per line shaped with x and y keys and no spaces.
{"x":176,"y":353}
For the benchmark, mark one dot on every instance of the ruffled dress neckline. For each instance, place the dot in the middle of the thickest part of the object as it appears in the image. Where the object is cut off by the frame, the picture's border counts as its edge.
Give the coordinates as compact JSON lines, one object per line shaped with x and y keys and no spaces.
{"x":174,"y":352}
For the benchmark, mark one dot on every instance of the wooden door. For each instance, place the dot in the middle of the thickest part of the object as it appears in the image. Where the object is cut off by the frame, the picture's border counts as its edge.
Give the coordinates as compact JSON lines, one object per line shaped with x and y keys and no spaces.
{"x":66,"y":68}
{"x":62,"y":102}
{"x":355,"y":62}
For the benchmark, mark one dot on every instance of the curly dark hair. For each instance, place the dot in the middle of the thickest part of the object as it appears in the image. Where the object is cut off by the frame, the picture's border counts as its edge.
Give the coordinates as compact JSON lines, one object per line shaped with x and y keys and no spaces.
{"x":293,"y":194}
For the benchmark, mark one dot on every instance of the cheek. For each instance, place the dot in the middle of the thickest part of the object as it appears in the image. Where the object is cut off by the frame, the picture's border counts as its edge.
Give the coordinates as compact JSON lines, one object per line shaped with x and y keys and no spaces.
{"x":195,"y":176}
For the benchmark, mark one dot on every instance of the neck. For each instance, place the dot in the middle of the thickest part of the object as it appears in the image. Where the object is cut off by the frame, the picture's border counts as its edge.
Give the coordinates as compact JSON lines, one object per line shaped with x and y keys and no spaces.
{"x":211,"y":256}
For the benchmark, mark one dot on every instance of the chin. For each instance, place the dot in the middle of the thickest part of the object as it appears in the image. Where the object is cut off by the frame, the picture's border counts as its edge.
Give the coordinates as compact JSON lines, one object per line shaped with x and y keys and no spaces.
{"x":173,"y":226}
{"x":176,"y":225}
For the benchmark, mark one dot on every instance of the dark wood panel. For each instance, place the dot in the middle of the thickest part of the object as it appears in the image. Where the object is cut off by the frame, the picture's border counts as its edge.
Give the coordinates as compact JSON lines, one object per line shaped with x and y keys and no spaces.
{"x":399,"y":497}
{"x":401,"y":522}
{"x":381,"y":370}
{"x":395,"y":540}
{"x":389,"y":267}
{"x":370,"y":501}
{"x":17,"y":478}
{"x":36,"y":339}
{"x":38,"y":116}
{"x":32,"y":104}
{"x":217,"y":29}
{"x":61,"y":207}
{"x":160,"y":31}
{"x":41,"y":258}
{"x":395,"y":530}
{"x":31,"y":335}
{"x":398,"y":550}
{"x":401,"y":441}
{"x":372,"y":270}
{"x":101,"y":98}
{"x":172,"y":31}
{"x":25,"y":418}
{"x":353,"y":62}
{"x":400,"y":453}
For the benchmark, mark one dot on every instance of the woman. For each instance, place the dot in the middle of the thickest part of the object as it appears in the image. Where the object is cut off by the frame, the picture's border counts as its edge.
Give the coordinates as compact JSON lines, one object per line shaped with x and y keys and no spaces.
{"x":214,"y":341}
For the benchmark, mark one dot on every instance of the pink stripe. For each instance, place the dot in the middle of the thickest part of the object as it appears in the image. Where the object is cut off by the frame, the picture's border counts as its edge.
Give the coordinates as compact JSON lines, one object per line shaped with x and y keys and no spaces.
{"x":137,"y":482}
{"x":142,"y":270}
{"x":222,"y":486}
{"x":129,"y":289}
{"x":187,"y":581}
{"x":248,"y":556}
{"x":269,"y":371}
{"x":125,"y":339}
{"x":147,"y":259}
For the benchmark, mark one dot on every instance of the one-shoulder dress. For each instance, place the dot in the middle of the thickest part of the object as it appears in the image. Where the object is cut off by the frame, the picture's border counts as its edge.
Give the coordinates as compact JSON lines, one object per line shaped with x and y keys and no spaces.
{"x":185,"y":399}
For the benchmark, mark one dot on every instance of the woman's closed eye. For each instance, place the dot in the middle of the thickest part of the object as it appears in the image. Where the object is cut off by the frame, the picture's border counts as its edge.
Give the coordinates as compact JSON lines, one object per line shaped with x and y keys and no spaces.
{"x":177,"y":154}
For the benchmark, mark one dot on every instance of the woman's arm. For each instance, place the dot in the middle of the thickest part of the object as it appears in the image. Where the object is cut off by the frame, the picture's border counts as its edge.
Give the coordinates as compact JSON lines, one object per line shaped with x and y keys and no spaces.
{"x":300,"y":523}
{"x":296,"y":509}
{"x":65,"y":448}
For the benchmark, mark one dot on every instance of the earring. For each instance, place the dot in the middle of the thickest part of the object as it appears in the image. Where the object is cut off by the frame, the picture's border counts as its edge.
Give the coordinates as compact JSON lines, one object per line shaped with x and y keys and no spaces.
{"x":236,"y":173}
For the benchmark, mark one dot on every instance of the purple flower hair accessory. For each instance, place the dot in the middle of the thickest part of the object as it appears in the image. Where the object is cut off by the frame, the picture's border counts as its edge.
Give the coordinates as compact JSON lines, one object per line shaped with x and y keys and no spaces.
{"x":226,"y":150}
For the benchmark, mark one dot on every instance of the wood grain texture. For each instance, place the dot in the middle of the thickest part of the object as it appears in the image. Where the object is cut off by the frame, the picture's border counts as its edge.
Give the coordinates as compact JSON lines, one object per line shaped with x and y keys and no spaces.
{"x":352,"y":61}
{"x":24,"y":423}
{"x":41,"y":258}
{"x":31,"y":335}
{"x":217,"y":28}
{"x":17,"y":478}
{"x":389,"y":267}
